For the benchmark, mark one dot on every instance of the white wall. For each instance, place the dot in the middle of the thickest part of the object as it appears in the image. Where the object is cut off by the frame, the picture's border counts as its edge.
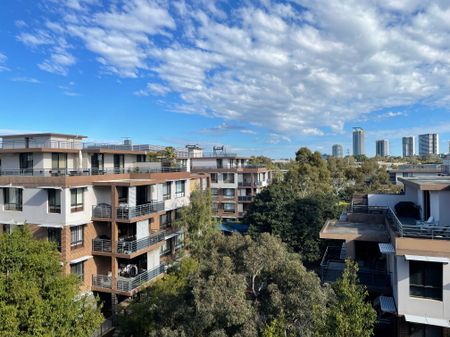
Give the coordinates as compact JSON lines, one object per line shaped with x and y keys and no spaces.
{"x":153,"y":259}
{"x":420,"y":306}
{"x":444,"y":208}
{"x":142,"y":229}
{"x":387,"y":200}
{"x":434,"y":205}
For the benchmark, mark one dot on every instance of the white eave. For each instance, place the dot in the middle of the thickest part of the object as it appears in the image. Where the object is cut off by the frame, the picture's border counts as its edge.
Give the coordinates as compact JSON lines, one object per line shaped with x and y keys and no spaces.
{"x":428,"y":320}
{"x":81,"y":259}
{"x":427,"y":258}
{"x":11,"y":186}
{"x":51,"y":225}
{"x":50,"y":187}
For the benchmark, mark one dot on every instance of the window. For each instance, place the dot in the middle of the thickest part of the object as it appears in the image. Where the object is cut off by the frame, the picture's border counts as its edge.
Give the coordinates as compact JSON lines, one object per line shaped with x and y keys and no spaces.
{"x":59,"y":161}
{"x":76,"y":236}
{"x":165,"y":220}
{"x":76,"y":200}
{"x":179,"y":188}
{"x":214,"y":192}
{"x":119,"y":163}
{"x":228,"y":193}
{"x":54,"y":235}
{"x":425,"y":280}
{"x":26,"y":162}
{"x":228,"y":178}
{"x":54,"y":201}
{"x":178,"y":213}
{"x":219,"y":163}
{"x":167,"y":190}
{"x":214,"y":177}
{"x":97,"y":162}
{"x":13,"y":199}
{"x":140,"y":158}
{"x":229,"y":208}
{"x":422,"y":330}
{"x":78,"y":269}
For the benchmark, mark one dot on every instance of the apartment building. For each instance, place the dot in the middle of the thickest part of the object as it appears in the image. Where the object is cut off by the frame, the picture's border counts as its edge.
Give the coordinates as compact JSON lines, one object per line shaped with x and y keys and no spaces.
{"x":234,"y":181}
{"x":402,"y":245}
{"x":358,"y":141}
{"x":109,"y":211}
{"x":415,"y":170}
{"x":382,"y":148}
{"x":429,"y":144}
{"x":337,"y":151}
{"x":408,"y":146}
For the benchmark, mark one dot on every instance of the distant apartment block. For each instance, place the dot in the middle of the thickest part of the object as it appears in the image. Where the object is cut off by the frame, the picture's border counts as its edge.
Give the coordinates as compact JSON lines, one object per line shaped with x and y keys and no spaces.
{"x":382,"y":148}
{"x":409,"y":146}
{"x":337,"y":151}
{"x":401,"y":243}
{"x":109,"y":211}
{"x":234,"y":181}
{"x":358,"y":141}
{"x":429,"y":144}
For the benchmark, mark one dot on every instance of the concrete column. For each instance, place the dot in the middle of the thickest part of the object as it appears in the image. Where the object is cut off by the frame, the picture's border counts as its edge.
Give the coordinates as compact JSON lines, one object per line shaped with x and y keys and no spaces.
{"x":114,"y":236}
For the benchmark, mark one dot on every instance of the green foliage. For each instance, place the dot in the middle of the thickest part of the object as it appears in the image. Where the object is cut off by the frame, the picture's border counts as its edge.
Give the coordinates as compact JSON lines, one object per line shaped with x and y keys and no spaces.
{"x":197,"y":220}
{"x":349,"y":315}
{"x":35,"y":298}
{"x":152,"y":156}
{"x":236,"y":287}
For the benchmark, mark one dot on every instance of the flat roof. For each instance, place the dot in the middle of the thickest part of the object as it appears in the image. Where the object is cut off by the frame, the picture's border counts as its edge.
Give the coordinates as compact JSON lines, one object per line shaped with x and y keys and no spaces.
{"x":437,"y":183}
{"x":359,"y":231}
{"x":50,"y":134}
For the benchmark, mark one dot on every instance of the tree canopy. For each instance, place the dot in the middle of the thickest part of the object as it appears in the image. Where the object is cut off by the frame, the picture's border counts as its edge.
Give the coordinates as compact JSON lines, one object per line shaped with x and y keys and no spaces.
{"x":36,"y":299}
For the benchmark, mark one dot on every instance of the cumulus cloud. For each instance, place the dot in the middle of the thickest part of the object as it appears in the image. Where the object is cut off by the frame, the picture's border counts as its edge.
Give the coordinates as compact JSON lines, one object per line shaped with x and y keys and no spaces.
{"x":305,"y":67}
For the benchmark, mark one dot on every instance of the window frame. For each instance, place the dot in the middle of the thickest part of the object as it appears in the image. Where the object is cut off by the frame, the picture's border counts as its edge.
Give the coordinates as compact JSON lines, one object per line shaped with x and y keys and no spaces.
{"x":56,"y":208}
{"x":167,"y":190}
{"x":77,"y":206}
{"x":59,"y":161}
{"x":77,"y":236}
{"x":182,"y":192}
{"x":74,"y":269}
{"x":16,"y":206}
{"x":421,"y":282}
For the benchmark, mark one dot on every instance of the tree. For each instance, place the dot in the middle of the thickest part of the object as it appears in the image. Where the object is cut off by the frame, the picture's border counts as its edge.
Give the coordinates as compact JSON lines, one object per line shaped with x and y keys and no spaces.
{"x":236,"y":287}
{"x":349,"y":315}
{"x":168,"y":155}
{"x":36,"y":299}
{"x":197,"y":219}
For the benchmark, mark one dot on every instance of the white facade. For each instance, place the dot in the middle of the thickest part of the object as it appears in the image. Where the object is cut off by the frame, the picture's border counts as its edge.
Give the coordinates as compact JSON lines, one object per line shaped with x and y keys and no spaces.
{"x":429,"y":144}
{"x":408,"y":146}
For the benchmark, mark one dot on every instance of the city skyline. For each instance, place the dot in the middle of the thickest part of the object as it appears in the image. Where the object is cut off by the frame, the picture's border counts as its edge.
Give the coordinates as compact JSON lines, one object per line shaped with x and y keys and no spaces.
{"x":216,"y":73}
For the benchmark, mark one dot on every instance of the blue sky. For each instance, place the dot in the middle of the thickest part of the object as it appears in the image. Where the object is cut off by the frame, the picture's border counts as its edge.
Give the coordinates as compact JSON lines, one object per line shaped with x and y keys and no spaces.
{"x":259,"y":77}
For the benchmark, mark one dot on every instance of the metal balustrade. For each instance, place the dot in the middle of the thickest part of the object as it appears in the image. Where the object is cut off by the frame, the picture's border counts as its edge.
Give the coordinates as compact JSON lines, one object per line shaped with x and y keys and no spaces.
{"x":102,"y":245}
{"x":34,"y":144}
{"x":140,"y":210}
{"x":129,"y":247}
{"x":102,"y":281}
{"x":46,"y":172}
{"x":245,"y":198}
{"x":126,"y":284}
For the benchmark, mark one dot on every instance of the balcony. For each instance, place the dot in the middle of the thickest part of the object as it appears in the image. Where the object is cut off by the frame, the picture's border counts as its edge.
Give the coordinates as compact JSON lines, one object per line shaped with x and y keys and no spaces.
{"x":128,"y":284}
{"x":12,"y":206}
{"x":407,"y":227}
{"x":126,"y":246}
{"x":333,"y":265}
{"x":102,"y":211}
{"x":32,"y":144}
{"x":127,"y":213}
{"x":102,"y":281}
{"x":46,"y":172}
{"x":129,"y":247}
{"x":245,"y":198}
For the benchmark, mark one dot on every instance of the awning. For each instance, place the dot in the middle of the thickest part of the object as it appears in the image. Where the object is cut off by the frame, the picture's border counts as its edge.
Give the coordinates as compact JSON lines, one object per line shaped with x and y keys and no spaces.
{"x":11,"y":186}
{"x":428,"y":320}
{"x":11,"y":222}
{"x":386,"y":248}
{"x":51,"y":225}
{"x":427,"y":258}
{"x":78,"y":223}
{"x":83,"y":186}
{"x":387,"y":304}
{"x":169,"y":236}
{"x":81,"y":259}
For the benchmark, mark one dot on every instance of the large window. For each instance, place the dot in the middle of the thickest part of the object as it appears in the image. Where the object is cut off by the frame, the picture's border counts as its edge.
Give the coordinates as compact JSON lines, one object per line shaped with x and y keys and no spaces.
{"x":425,"y":280}
{"x":78,"y":269}
{"x":13,"y":199}
{"x":422,"y":330}
{"x":140,"y":158}
{"x":119,"y":163}
{"x":26,"y":162}
{"x":228,"y":178}
{"x":97,"y":162}
{"x":167,"y":190}
{"x":180,"y":188}
{"x":165,"y":220}
{"x":214,"y":192}
{"x":54,"y":235}
{"x":76,"y":236}
{"x":214,"y":177}
{"x":229,"y":208}
{"x":76,"y":200}
{"x":54,"y":201}
{"x":59,"y":161}
{"x":228,"y":193}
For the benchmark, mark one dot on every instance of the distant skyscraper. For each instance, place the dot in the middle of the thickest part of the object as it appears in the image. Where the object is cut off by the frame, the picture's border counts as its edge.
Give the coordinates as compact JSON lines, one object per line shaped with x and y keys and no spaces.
{"x":428,"y":144}
{"x":358,"y":141}
{"x":382,"y":148}
{"x":409,"y":146}
{"x":337,"y":151}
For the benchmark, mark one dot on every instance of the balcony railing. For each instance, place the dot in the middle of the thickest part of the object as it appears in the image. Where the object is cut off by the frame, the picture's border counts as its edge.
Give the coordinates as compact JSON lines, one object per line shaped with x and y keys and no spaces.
{"x":245,"y":198}
{"x":102,"y":281}
{"x":32,"y":144}
{"x":129,"y":247}
{"x":129,"y":284}
{"x":138,"y":211}
{"x":332,"y":267}
{"x":45,"y":172}
{"x":102,"y":245}
{"x":418,"y":230}
{"x":13,"y":206}
{"x":101,"y":211}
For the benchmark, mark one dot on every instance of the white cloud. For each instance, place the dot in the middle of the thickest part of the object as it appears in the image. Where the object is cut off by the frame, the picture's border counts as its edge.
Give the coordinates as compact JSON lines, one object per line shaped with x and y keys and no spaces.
{"x":275,"y":138}
{"x":3,"y":59}
{"x":296,"y":70}
{"x":26,"y":79}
